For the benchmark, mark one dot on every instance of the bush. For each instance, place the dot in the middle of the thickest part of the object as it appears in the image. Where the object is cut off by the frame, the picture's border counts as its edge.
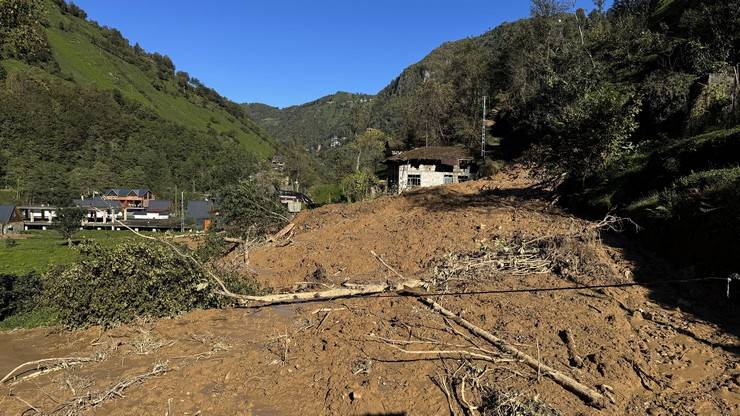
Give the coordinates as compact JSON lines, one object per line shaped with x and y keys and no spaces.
{"x":492,"y":166}
{"x":19,"y":294}
{"x":248,"y":209}
{"x":212,"y":247}
{"x":358,"y":185}
{"x":134,"y":279}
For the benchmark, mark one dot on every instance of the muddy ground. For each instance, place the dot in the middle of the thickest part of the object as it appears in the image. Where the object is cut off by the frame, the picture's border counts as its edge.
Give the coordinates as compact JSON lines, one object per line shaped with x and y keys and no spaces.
{"x":659,"y":351}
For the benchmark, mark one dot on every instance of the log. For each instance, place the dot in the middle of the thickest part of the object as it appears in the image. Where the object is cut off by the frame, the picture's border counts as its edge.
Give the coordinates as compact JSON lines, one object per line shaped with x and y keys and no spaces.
{"x":589,"y":395}
{"x":282,"y":233}
{"x":574,"y":359}
{"x":342,"y":292}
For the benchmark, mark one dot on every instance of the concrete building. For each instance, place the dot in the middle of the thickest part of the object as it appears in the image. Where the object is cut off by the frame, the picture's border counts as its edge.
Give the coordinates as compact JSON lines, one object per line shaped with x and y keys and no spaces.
{"x":100,"y":210}
{"x":430,"y":166}
{"x":295,"y":201}
{"x":136,"y":198}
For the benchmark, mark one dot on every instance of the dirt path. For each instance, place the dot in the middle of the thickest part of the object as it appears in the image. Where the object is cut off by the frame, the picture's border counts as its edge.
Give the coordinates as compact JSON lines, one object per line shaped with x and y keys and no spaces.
{"x":299,"y":359}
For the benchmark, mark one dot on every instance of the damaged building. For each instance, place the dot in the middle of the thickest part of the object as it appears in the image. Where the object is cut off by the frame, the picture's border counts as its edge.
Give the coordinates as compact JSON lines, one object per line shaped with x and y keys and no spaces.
{"x":430,"y":166}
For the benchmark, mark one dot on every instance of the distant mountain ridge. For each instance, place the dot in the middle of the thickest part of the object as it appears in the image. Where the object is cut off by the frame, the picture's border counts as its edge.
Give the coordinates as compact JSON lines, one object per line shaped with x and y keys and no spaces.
{"x":311,"y":123}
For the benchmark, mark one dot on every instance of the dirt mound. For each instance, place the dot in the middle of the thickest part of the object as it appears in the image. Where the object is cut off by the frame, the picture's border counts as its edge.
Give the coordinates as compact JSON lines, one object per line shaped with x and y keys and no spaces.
{"x":347,"y":357}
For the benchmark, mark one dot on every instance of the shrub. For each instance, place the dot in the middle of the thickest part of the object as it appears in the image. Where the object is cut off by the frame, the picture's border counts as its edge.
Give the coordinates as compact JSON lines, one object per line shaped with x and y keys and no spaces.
{"x":212,"y":247}
{"x":134,"y":279}
{"x":19,"y":294}
{"x":249,"y":208}
{"x":358,"y":185}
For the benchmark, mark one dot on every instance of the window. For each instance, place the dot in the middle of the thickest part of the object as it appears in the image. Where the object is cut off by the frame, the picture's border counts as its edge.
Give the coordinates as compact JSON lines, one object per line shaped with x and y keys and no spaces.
{"x":448,"y":179}
{"x":462,"y":179}
{"x":414,"y":180}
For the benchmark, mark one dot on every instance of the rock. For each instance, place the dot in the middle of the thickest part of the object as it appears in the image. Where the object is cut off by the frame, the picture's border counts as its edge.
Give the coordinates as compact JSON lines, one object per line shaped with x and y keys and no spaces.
{"x":354,"y":396}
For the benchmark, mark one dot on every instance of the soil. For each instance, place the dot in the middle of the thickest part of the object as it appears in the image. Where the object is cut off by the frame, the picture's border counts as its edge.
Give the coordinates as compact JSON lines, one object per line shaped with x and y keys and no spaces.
{"x":327,"y":358}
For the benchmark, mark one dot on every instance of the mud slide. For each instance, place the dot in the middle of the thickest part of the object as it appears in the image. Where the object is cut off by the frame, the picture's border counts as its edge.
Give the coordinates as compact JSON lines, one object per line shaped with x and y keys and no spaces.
{"x":393,"y":355}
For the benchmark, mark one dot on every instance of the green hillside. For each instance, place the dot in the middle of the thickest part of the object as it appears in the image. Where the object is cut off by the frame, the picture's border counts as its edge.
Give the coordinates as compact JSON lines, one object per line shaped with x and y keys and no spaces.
{"x":315,"y":122}
{"x":632,"y":110}
{"x":82,"y":109}
{"x":79,"y":48}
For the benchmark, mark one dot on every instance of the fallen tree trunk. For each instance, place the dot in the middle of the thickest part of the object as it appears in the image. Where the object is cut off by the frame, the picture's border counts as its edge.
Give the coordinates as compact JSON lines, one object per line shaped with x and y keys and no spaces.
{"x":589,"y":395}
{"x":342,"y":292}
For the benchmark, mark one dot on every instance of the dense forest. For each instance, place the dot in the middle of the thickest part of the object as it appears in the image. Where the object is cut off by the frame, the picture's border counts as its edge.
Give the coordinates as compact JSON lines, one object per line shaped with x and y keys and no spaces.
{"x":632,"y":109}
{"x":81,"y":109}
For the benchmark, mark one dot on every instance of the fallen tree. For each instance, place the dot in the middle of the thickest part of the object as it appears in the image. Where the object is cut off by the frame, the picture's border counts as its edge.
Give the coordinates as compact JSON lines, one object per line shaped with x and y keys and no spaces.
{"x":589,"y":395}
{"x":348,"y":290}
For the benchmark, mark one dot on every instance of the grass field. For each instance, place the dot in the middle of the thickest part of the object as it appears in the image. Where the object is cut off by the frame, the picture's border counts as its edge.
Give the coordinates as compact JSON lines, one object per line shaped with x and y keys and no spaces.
{"x":39,"y":250}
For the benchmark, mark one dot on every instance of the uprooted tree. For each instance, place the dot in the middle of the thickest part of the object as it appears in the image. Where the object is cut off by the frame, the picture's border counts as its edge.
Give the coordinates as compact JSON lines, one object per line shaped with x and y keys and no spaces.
{"x":134,"y":279}
{"x":249,"y":209}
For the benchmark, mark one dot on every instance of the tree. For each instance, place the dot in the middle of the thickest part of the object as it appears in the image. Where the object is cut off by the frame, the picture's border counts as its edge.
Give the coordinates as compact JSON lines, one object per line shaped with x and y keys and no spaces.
{"x":370,"y":144}
{"x":358,"y":185}
{"x":68,"y":222}
{"x":549,"y":8}
{"x":247,"y":209}
{"x":429,"y":111}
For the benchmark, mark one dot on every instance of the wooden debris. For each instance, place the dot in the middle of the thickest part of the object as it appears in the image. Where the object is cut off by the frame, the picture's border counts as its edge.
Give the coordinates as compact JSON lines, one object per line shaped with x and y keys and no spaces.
{"x":589,"y":395}
{"x":44,"y":366}
{"x":282,"y":233}
{"x":342,"y":292}
{"x":574,"y":359}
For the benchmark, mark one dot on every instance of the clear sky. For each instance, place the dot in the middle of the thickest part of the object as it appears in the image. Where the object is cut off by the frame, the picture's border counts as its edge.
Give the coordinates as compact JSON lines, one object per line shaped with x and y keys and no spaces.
{"x":285,"y":52}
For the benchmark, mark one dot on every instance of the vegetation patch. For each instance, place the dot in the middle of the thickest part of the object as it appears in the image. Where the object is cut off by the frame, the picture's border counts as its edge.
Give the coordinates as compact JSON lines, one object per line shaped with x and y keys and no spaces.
{"x":132,"y":280}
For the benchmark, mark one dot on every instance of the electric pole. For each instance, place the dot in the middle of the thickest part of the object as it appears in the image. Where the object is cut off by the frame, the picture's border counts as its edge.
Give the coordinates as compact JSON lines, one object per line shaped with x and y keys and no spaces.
{"x":483,"y":131}
{"x":182,"y":212}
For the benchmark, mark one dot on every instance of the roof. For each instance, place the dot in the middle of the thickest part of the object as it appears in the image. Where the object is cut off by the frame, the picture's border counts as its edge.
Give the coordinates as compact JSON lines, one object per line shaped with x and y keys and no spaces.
{"x":295,"y":195}
{"x":141,"y":192}
{"x":448,"y":155}
{"x":199,"y":210}
{"x":160,"y":205}
{"x":96,"y":202}
{"x":6,"y":213}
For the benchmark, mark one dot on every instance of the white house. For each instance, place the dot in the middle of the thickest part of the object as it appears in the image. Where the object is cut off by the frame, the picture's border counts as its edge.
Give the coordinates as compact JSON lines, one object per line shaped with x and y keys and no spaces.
{"x":430,"y":166}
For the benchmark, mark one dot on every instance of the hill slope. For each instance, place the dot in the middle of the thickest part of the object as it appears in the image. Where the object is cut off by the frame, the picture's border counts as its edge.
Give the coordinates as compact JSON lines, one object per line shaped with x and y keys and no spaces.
{"x":330,"y":357}
{"x":130,"y":94}
{"x":312,"y":123}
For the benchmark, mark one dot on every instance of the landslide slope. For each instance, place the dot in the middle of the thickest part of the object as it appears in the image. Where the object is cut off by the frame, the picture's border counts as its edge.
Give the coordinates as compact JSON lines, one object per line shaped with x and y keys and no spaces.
{"x":330,"y":358}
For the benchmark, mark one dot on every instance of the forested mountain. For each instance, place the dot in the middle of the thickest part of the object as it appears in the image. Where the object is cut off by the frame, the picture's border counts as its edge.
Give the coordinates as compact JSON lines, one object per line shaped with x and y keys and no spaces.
{"x":81,"y":109}
{"x":633,"y":109}
{"x":313,"y":123}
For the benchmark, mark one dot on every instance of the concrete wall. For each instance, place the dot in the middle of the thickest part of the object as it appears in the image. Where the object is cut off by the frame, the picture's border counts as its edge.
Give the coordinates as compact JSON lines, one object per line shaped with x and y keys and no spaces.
{"x":429,"y":175}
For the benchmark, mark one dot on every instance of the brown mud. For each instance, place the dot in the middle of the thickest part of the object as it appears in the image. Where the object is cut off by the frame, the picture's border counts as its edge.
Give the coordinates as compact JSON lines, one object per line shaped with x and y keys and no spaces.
{"x":326,"y":358}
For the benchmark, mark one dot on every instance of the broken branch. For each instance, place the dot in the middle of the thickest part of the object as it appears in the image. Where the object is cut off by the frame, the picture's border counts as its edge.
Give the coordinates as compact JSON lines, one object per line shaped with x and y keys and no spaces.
{"x":589,"y":395}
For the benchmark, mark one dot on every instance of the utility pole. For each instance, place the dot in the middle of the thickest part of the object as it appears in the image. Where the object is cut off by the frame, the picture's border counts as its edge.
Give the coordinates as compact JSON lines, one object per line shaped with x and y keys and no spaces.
{"x":182,"y":212}
{"x":483,"y":131}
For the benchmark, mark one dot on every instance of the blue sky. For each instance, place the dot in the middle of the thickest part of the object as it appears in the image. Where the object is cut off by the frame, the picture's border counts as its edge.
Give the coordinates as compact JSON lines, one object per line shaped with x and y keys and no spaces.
{"x":285,"y":52}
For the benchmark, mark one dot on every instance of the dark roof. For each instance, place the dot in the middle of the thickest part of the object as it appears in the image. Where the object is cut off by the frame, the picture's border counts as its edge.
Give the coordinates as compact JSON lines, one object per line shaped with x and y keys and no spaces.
{"x":6,"y":213}
{"x":448,"y":155}
{"x":295,"y":195}
{"x":199,"y":210}
{"x":127,"y":191}
{"x":96,"y":202}
{"x":160,"y":205}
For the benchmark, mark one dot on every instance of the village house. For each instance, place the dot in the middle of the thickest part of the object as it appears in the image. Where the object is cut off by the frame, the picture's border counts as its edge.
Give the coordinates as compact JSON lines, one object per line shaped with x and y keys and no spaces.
{"x":135,"y":198}
{"x":295,"y":201}
{"x":8,"y":219}
{"x":43,"y":214}
{"x":430,"y":166}
{"x":100,"y":210}
{"x":200,"y":214}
